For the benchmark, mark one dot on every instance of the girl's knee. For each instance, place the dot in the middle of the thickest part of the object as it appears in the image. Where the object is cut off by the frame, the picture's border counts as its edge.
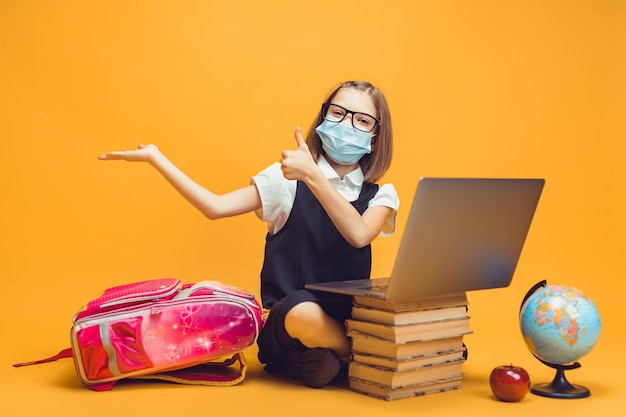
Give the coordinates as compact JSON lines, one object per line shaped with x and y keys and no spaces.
{"x":304,"y":319}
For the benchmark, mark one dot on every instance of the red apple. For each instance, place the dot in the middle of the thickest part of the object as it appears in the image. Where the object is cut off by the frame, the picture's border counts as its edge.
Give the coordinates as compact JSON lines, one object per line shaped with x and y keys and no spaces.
{"x":509,"y":383}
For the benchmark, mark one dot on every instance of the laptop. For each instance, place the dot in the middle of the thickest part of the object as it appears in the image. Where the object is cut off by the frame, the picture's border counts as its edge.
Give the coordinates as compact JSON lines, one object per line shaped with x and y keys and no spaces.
{"x":462,"y":234}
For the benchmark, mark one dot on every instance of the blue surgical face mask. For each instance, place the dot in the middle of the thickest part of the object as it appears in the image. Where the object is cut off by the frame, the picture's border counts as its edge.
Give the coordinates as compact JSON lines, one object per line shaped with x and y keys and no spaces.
{"x":343,"y":143}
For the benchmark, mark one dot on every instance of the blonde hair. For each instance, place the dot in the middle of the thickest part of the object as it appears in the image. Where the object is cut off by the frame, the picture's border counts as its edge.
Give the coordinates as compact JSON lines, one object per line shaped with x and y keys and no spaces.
{"x":376,"y":163}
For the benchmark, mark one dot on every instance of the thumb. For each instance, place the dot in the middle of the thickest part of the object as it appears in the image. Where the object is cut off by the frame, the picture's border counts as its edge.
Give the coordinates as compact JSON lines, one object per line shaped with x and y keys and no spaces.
{"x":300,"y":140}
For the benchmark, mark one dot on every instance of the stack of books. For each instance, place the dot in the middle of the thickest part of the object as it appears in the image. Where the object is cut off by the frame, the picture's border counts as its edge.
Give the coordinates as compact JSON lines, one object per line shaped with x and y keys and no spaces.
{"x":407,"y":348}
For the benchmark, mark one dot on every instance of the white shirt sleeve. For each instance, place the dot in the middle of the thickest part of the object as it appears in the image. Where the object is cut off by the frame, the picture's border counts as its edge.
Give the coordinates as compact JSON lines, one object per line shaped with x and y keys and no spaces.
{"x":387,"y":196}
{"x":277,"y":196}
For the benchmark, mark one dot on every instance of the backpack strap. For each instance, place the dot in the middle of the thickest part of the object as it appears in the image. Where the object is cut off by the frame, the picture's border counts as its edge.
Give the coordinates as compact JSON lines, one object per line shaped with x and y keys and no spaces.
{"x":65,"y":353}
{"x":215,"y":373}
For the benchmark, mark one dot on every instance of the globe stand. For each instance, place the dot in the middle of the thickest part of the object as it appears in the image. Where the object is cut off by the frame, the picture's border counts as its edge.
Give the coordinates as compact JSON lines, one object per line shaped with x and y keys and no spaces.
{"x":560,"y":386}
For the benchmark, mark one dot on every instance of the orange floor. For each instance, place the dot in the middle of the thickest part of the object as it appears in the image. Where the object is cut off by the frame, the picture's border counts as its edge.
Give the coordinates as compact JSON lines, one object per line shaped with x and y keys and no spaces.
{"x":53,"y":389}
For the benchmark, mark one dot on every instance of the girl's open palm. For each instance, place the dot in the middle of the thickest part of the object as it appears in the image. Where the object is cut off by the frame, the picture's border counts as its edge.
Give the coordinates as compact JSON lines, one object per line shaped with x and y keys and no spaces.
{"x":144,"y":153}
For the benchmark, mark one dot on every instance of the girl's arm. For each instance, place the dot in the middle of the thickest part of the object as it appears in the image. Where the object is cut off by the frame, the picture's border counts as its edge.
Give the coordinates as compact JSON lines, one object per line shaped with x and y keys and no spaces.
{"x":213,"y":206}
{"x":359,"y":230}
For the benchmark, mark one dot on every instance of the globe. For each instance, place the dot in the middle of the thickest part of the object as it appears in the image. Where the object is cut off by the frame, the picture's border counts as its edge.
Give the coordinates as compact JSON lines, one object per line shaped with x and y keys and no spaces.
{"x":560,"y":324}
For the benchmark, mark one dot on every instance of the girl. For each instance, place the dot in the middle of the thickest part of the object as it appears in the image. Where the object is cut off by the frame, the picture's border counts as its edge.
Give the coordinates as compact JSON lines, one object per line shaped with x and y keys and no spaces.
{"x":323,"y":209}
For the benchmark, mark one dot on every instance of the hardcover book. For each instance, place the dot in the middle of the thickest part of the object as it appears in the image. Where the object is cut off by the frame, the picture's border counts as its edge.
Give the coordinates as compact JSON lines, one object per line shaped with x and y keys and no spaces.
{"x":408,"y":364}
{"x":368,"y":344}
{"x":412,"y":332}
{"x":407,"y":317}
{"x":385,"y":392}
{"x":398,"y":379}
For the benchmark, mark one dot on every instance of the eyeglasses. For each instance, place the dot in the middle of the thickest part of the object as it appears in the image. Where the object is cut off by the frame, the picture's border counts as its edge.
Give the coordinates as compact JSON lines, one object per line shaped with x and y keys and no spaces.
{"x":360,"y":121}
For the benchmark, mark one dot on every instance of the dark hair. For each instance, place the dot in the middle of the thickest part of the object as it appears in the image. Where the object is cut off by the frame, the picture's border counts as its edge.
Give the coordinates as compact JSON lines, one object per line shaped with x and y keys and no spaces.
{"x":376,"y":163}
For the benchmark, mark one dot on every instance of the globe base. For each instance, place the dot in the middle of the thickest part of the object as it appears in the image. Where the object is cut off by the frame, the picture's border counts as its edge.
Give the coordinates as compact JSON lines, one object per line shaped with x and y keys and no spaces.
{"x":560,"y":387}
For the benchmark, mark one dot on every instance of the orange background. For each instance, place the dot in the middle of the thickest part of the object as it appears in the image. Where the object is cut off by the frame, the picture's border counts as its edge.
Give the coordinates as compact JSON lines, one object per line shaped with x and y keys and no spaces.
{"x":481,"y":88}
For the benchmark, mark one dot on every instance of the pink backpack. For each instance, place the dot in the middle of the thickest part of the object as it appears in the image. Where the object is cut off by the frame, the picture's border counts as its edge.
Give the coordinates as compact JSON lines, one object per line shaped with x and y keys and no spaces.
{"x":160,"y":329}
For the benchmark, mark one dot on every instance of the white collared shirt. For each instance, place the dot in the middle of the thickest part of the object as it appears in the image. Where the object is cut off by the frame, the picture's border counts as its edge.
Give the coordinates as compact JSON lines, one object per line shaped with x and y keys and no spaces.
{"x":278,"y":194}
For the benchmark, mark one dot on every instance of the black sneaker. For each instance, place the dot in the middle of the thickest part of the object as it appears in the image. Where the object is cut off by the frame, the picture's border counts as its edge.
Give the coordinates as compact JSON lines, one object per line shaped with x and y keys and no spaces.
{"x":341,"y":380}
{"x":315,"y":367}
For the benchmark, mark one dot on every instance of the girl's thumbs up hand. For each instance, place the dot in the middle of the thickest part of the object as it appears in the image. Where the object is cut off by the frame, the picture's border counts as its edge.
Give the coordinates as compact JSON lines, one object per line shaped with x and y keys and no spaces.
{"x":297,"y":164}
